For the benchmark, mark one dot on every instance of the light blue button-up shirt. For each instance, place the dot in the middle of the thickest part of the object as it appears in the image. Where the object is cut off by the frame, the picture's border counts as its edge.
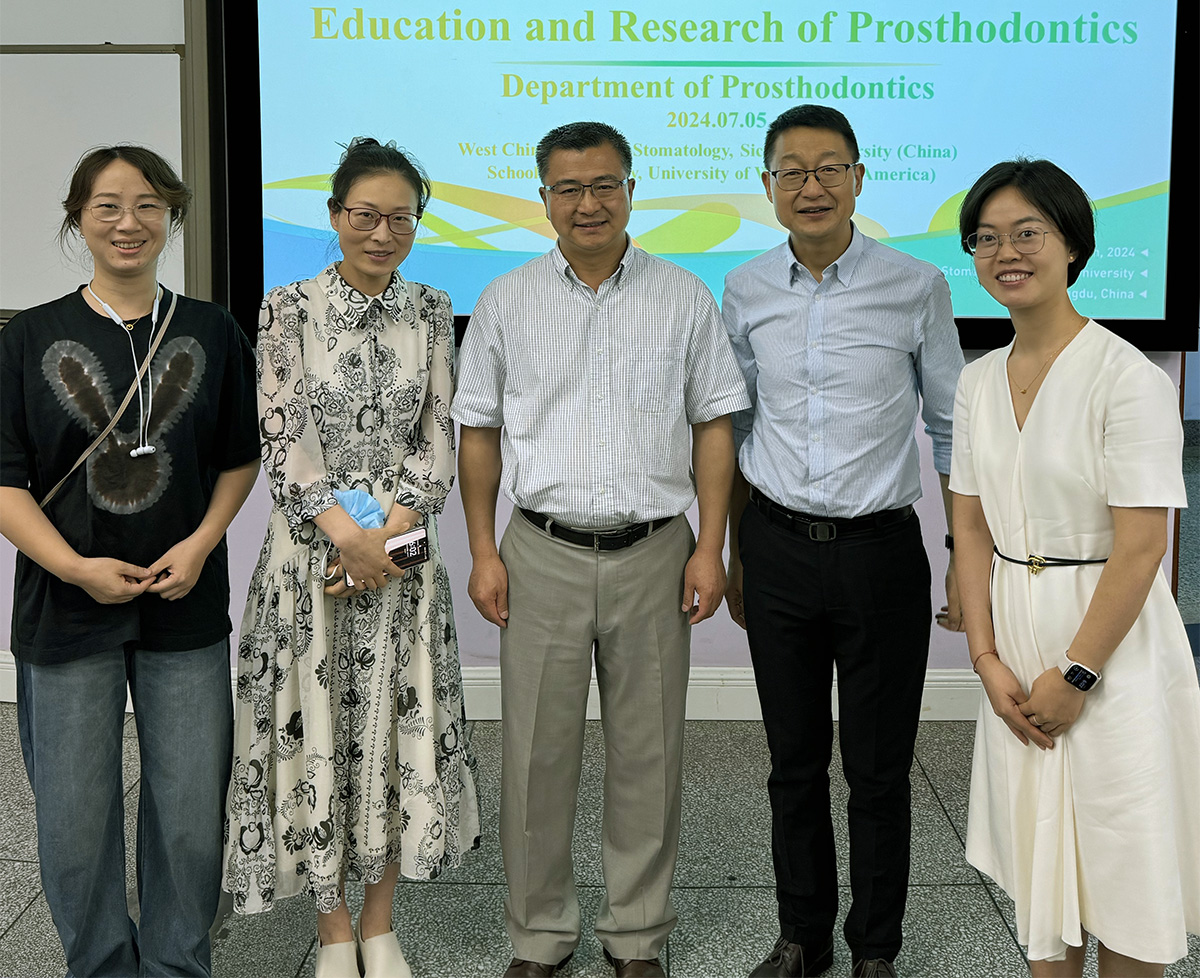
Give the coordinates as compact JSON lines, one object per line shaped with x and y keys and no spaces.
{"x":835,"y":370}
{"x":596,"y":390}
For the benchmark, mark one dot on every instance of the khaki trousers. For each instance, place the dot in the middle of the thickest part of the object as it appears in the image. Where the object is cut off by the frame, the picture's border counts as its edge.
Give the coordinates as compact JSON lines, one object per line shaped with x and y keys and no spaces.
{"x":564,"y":600}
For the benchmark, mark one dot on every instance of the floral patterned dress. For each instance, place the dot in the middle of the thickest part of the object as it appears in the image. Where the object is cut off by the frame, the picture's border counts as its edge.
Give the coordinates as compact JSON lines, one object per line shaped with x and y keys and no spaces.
{"x":350,"y":751}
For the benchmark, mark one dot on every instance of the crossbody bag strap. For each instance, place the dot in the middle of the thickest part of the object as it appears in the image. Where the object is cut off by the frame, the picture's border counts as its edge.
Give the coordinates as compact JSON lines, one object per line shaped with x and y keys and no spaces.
{"x":133,"y":389}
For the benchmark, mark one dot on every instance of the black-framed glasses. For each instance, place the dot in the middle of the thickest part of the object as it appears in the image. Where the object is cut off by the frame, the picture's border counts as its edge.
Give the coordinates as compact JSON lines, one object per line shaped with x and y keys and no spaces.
{"x":365,"y":219}
{"x":1028,"y":241}
{"x":602,"y":189}
{"x":147,"y":212}
{"x":829,"y":175}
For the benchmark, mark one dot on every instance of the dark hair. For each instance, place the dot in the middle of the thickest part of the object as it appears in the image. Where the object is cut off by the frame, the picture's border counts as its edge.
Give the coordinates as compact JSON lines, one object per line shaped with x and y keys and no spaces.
{"x":580,"y":136}
{"x":1051,"y":190}
{"x":809,"y":117}
{"x":158,"y":173}
{"x":365,"y":157}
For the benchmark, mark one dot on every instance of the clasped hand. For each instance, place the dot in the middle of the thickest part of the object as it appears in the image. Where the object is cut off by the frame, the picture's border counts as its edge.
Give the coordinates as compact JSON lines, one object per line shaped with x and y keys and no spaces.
{"x":1053,"y":703}
{"x":364,"y":557}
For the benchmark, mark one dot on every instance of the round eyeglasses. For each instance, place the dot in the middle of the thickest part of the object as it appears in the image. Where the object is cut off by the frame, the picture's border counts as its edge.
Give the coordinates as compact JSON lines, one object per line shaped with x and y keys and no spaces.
{"x":601,"y":190}
{"x":829,"y":175}
{"x":147,"y":212}
{"x":365,"y":219}
{"x":1028,"y":241}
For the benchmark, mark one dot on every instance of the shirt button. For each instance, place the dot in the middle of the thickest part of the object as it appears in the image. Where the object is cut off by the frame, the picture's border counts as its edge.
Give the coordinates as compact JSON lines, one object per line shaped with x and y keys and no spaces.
{"x":816,"y":437}
{"x":812,"y":390}
{"x":600,"y":492}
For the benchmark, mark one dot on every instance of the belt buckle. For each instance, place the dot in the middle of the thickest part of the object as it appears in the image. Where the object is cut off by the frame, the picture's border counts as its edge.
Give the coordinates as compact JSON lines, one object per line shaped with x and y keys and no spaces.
{"x":822,"y":532}
{"x":1036,"y":564}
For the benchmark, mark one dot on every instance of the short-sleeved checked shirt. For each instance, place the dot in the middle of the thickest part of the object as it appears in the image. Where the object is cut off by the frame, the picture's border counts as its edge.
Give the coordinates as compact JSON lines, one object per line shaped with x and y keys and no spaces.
{"x":596,"y":390}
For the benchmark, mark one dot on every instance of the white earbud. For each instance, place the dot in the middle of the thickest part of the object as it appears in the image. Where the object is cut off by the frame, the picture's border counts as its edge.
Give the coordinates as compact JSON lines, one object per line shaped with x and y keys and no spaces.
{"x":144,"y":410}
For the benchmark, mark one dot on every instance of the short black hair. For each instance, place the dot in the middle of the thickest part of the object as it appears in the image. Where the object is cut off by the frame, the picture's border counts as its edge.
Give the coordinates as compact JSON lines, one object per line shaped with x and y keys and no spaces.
{"x":809,"y":117}
{"x":1051,"y":190}
{"x":365,"y":157}
{"x":580,"y":136}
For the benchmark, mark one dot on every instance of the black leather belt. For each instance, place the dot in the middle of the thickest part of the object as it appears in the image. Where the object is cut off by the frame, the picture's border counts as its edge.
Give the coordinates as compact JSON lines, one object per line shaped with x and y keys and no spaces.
{"x":1037,"y":563}
{"x":596,"y":540}
{"x":825,"y":528}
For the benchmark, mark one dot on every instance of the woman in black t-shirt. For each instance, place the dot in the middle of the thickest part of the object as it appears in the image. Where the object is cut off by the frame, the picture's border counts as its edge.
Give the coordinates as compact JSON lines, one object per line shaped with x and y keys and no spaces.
{"x":122,"y":577}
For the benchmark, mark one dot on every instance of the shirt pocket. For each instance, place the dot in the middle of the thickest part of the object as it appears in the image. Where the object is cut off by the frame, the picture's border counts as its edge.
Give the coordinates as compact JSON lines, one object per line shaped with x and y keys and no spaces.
{"x":656,"y":384}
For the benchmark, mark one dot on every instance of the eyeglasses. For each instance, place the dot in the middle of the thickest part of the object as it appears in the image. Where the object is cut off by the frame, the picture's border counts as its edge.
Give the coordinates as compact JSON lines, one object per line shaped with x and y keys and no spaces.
{"x":1028,"y":241}
{"x":365,"y":219}
{"x":601,"y":190}
{"x":146,"y":212}
{"x":829,"y":175}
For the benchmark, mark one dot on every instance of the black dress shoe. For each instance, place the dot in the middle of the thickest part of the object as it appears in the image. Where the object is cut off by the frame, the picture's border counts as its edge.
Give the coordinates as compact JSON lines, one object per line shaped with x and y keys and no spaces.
{"x":520,"y":968}
{"x":788,"y":960}
{"x":635,"y":967}
{"x":873,"y":968}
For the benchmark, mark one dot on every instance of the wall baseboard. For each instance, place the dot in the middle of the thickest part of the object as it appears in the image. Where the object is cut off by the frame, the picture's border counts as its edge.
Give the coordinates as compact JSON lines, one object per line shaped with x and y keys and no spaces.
{"x":713,"y":693}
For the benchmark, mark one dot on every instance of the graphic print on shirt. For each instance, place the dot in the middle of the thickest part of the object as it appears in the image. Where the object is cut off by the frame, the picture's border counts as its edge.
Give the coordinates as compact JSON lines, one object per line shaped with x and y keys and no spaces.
{"x":117,"y":482}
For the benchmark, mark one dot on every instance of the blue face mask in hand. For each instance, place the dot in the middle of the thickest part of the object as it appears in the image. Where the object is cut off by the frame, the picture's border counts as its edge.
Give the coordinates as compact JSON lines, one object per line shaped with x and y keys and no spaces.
{"x":363,"y":508}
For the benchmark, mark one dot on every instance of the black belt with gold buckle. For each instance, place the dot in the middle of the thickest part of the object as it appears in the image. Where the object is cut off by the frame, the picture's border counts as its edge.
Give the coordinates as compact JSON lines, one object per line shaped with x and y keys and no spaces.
{"x":1038,"y":563}
{"x":597,"y":540}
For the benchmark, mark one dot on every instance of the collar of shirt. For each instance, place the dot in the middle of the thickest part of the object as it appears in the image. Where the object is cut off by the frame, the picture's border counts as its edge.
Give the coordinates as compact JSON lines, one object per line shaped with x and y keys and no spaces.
{"x":841,"y":268}
{"x":630,"y":262}
{"x":350,"y":306}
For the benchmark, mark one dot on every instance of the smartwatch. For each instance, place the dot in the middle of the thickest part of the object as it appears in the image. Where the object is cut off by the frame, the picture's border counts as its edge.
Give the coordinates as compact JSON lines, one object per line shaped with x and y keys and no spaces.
{"x":1077,"y":674}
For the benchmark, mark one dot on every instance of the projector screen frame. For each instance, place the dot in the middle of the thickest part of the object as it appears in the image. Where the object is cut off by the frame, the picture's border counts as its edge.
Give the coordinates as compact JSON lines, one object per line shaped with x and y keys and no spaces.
{"x":237,"y":193}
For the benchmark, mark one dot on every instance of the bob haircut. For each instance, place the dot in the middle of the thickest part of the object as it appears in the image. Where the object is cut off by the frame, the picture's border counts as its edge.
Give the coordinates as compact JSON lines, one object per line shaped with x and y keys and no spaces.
{"x":1048,"y":188}
{"x":158,"y":173}
{"x":365,"y":157}
{"x":809,"y":117}
{"x":579,"y":136}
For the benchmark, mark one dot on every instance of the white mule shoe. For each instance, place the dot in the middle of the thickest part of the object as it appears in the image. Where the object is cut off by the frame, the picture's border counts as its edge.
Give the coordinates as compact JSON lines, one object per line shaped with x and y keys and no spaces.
{"x":381,"y":956}
{"x":337,"y":960}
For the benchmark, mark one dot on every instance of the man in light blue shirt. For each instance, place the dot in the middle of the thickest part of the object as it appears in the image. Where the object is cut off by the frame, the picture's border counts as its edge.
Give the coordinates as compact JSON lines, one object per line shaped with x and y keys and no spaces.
{"x":841,"y":340}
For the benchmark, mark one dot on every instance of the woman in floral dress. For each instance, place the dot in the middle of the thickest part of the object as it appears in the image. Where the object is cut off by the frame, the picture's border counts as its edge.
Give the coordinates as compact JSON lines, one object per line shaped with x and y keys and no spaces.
{"x":351,"y":759}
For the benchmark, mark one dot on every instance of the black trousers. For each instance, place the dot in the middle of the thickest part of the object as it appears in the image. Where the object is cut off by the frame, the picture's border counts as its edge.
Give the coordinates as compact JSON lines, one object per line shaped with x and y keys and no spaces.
{"x":860,"y":601}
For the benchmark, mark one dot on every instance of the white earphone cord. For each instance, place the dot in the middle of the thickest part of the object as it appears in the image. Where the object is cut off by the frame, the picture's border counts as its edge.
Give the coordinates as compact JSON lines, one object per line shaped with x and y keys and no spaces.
{"x":143,"y":448}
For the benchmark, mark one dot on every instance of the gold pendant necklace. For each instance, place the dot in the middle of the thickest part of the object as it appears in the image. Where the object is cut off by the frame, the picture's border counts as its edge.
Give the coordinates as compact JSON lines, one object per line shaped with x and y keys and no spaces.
{"x":1045,"y":363}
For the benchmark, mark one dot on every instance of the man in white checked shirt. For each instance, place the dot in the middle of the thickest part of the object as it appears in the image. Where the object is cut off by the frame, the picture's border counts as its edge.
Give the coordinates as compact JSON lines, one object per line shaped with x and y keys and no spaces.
{"x":581,"y":374}
{"x":840,"y":339}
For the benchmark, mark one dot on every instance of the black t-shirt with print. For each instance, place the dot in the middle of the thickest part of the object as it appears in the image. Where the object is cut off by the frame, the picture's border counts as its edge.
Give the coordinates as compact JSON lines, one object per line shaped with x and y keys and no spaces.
{"x":63,"y":371}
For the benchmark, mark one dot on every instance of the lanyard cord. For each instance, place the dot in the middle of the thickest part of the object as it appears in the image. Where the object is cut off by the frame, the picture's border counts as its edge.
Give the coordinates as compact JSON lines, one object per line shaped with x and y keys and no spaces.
{"x":143,"y":448}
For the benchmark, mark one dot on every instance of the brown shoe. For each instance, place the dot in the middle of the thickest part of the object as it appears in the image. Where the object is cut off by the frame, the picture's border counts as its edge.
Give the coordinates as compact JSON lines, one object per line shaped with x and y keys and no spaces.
{"x":635,"y":967}
{"x":873,"y":968}
{"x":520,"y":968}
{"x":788,"y":960}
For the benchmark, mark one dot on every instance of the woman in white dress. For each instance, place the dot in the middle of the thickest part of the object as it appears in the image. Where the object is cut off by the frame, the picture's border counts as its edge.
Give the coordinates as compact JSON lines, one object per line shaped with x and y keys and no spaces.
{"x":351,"y":757}
{"x":1085,"y":799}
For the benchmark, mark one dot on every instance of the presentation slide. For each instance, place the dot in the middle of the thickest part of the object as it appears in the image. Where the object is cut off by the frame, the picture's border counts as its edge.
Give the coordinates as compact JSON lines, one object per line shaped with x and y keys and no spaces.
{"x":936,"y":94}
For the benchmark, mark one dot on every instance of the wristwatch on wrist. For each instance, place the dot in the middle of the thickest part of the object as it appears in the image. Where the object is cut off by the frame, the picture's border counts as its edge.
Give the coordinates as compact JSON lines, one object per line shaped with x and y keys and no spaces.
{"x":1077,"y":674}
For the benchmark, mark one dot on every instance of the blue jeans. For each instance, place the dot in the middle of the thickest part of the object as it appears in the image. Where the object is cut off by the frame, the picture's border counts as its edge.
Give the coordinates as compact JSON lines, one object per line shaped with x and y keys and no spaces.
{"x":71,"y":719}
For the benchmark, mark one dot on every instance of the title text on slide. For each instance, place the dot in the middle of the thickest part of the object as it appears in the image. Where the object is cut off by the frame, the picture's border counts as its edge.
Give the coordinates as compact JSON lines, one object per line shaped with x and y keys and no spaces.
{"x":851,"y":26}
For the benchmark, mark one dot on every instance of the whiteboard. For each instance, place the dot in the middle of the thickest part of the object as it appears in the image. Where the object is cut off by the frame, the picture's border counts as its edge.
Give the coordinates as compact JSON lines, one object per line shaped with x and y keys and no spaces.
{"x":53,"y":107}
